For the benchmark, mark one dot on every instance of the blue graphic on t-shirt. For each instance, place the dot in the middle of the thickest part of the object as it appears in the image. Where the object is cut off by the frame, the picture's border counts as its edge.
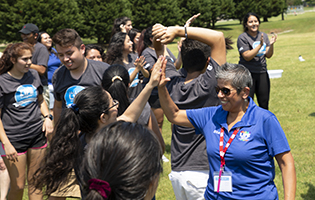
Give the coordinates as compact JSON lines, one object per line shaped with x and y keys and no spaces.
{"x":262,"y":50}
{"x":71,"y":92}
{"x":25,"y":95}
{"x":135,"y":81}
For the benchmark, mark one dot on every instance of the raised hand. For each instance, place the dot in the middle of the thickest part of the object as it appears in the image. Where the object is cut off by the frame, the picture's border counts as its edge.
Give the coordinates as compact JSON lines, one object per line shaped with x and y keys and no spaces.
{"x":273,"y":39}
{"x":191,"y":20}
{"x":262,"y":39}
{"x":140,"y":62}
{"x":157,"y":71}
{"x":163,"y":34}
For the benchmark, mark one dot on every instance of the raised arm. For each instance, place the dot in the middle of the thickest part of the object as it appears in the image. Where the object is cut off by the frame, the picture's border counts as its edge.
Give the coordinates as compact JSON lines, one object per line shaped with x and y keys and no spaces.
{"x":270,"y":49}
{"x":171,"y":111}
{"x":134,"y":110}
{"x":286,"y":164}
{"x":214,"y":39}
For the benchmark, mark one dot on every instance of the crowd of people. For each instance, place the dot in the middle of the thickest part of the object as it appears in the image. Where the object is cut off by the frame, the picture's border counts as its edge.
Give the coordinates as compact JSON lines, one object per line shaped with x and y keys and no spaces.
{"x":80,"y":122}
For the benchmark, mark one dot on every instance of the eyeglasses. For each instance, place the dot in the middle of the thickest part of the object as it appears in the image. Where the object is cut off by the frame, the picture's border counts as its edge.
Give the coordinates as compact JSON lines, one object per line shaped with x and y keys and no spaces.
{"x":224,"y":90}
{"x":115,"y":103}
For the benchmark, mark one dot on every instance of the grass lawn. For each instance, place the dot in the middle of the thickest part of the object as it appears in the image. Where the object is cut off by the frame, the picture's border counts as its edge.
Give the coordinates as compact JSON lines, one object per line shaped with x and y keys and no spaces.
{"x":291,"y":96}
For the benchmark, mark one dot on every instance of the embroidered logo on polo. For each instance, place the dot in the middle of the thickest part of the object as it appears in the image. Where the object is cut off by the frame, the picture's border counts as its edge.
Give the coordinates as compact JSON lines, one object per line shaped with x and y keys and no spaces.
{"x":136,"y":79}
{"x":71,"y":92}
{"x":216,"y":132}
{"x":25,"y":95}
{"x":244,"y":136}
{"x":262,"y":50}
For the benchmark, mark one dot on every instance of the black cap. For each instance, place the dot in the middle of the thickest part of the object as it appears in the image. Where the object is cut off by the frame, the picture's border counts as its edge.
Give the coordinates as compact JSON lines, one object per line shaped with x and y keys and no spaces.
{"x":29,"y":28}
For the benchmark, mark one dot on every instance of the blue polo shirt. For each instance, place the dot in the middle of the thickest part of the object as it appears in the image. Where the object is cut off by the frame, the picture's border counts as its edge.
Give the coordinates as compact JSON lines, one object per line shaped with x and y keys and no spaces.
{"x":250,"y":156}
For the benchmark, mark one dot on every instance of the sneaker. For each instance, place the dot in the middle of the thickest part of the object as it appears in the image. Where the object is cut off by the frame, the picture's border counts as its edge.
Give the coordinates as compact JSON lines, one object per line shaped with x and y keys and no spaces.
{"x":165,"y":159}
{"x":301,"y":59}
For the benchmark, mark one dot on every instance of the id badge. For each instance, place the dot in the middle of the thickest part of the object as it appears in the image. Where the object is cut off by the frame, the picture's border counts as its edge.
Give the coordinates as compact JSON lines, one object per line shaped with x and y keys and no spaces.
{"x":226,"y":181}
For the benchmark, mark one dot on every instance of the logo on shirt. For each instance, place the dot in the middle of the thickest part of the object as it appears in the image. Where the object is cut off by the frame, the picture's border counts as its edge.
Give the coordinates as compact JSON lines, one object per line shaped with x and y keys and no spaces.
{"x":262,"y":50}
{"x":25,"y":95}
{"x":216,"y":132}
{"x":71,"y":93}
{"x":136,"y":80}
{"x":209,"y":67}
{"x":241,"y":49}
{"x":244,"y":136}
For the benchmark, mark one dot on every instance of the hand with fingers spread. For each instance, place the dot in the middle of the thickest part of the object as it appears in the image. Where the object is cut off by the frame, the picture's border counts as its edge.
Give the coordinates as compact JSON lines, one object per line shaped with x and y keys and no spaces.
{"x":139,"y":63}
{"x":273,"y":39}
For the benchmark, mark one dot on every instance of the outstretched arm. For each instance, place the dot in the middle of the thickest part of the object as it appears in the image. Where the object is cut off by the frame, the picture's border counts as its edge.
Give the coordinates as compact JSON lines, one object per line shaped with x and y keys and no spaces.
{"x":286,"y":164}
{"x":214,"y":39}
{"x":134,"y":110}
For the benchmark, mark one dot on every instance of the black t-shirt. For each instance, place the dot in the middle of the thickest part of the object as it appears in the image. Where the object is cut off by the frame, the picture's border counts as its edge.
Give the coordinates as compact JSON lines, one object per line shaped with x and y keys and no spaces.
{"x":66,"y":87}
{"x":188,"y":150}
{"x":21,"y":115}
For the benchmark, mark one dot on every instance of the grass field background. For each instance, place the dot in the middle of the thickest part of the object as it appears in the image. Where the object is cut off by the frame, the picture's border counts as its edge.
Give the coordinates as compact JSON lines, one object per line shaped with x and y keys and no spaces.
{"x":291,"y":100}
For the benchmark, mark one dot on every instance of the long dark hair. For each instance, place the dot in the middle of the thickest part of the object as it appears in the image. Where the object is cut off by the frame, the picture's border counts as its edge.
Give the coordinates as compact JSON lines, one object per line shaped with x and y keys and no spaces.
{"x":144,"y":40}
{"x":132,"y":34}
{"x":245,"y":20}
{"x":127,"y":156}
{"x":12,"y":52}
{"x":117,"y":22}
{"x":63,"y":153}
{"x":116,"y":82}
{"x":114,"y":52}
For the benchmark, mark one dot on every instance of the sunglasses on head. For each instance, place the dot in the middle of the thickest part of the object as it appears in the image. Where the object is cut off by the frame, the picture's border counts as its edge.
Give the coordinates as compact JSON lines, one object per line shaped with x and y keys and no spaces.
{"x":224,"y":90}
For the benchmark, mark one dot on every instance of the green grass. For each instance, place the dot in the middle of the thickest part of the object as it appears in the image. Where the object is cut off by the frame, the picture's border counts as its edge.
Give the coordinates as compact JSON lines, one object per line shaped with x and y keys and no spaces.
{"x":291,"y":97}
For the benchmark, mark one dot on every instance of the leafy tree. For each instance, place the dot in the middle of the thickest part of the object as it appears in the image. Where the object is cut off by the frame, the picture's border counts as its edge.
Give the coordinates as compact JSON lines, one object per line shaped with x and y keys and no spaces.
{"x":48,"y":15}
{"x":210,"y":11}
{"x":99,"y":17}
{"x":227,"y":9}
{"x":242,"y":7}
{"x":146,"y":13}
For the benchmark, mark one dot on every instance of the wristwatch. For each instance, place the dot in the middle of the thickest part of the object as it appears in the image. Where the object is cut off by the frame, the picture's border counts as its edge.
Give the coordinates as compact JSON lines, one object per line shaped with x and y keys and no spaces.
{"x":49,"y":116}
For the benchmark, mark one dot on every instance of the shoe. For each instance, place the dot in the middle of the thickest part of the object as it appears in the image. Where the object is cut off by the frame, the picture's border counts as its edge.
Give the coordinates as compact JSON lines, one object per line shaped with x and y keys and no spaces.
{"x":301,"y":59}
{"x":165,"y":159}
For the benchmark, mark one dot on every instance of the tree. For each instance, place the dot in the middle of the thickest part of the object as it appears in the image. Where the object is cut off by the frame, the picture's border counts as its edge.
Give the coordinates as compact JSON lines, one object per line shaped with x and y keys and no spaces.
{"x":99,"y":17}
{"x":146,"y":13}
{"x":48,"y":15}
{"x":210,"y":11}
{"x":242,"y":8}
{"x":227,"y":9}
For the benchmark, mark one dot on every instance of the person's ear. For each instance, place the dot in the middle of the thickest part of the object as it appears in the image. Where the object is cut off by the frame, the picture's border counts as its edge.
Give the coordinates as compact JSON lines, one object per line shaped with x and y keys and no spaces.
{"x":82,"y":49}
{"x":13,"y":60}
{"x":104,"y":118}
{"x":246,"y":92}
{"x":35,"y":35}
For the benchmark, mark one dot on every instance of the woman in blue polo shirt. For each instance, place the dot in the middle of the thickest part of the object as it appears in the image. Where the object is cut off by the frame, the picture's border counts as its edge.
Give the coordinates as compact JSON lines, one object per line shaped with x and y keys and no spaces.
{"x":242,"y":139}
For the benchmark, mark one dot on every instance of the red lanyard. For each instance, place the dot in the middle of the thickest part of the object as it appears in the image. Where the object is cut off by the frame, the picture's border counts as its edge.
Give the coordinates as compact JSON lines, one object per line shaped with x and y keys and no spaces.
{"x":222,"y":151}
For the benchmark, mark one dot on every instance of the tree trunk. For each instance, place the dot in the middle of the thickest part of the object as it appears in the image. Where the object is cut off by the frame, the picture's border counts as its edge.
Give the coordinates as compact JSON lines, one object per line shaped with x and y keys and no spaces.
{"x":282,"y":16}
{"x":265,"y":19}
